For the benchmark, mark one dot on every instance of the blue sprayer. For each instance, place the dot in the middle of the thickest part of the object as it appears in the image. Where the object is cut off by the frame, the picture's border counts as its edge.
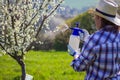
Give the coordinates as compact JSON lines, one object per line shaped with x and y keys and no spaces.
{"x":74,"y":39}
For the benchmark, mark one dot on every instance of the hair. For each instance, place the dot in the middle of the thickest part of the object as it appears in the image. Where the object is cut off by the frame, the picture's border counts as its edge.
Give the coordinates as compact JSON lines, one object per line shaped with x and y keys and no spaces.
{"x":113,"y":27}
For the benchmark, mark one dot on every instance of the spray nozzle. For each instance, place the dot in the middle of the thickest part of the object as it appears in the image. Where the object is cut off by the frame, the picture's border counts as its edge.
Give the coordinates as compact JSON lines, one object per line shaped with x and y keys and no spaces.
{"x":76,"y":29}
{"x":77,"y":24}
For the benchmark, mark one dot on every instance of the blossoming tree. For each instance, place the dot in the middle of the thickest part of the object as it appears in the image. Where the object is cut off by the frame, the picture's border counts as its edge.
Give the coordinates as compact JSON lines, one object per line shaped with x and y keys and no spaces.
{"x":20,"y":24}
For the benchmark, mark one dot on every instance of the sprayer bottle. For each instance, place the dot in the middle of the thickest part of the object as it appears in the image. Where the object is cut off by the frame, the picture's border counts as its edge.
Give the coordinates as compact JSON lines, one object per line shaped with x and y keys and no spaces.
{"x":74,"y":40}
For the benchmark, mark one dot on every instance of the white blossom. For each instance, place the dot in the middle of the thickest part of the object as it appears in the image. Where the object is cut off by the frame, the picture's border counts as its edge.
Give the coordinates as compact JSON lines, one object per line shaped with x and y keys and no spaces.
{"x":18,"y":22}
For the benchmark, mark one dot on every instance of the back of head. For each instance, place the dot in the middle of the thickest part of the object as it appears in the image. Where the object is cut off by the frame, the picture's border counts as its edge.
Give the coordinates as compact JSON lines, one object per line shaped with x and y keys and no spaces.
{"x":107,"y":9}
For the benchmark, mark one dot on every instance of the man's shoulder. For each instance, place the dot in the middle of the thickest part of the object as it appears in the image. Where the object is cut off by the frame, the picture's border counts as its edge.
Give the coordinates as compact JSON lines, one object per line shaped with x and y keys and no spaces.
{"x":100,"y":33}
{"x":96,"y":34}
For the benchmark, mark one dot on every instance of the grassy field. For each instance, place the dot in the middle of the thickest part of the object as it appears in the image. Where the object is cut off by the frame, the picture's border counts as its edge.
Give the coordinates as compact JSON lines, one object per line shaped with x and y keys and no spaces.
{"x":43,"y":65}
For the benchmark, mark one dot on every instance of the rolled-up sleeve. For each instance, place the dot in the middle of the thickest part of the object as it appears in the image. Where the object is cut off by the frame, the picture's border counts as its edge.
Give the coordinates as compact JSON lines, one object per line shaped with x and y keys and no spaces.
{"x":79,"y":64}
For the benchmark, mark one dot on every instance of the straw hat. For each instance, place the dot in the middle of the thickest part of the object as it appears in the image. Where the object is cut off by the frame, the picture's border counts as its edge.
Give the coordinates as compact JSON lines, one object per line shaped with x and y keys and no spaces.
{"x":107,"y":9}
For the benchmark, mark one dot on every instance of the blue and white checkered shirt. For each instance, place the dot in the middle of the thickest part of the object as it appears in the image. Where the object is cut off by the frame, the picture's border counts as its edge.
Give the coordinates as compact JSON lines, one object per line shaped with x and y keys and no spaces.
{"x":100,"y":56}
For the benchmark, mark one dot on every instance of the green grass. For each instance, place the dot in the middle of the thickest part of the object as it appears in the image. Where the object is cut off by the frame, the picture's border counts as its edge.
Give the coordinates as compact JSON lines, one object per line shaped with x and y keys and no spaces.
{"x":43,"y":65}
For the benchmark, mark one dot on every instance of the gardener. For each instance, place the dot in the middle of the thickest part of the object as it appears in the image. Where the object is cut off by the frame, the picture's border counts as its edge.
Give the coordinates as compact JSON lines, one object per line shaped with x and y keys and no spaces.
{"x":100,"y":54}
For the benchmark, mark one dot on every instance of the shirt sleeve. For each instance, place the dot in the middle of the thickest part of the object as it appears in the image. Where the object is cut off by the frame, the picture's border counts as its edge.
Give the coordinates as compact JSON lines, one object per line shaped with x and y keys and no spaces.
{"x":86,"y":56}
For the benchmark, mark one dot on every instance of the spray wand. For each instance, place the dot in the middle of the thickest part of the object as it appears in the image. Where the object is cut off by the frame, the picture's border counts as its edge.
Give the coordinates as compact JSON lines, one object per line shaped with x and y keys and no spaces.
{"x":75,"y":29}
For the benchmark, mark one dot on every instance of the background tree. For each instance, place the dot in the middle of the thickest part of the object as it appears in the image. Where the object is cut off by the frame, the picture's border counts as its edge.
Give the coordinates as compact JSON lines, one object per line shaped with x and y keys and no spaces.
{"x":20,"y":24}
{"x":61,"y":41}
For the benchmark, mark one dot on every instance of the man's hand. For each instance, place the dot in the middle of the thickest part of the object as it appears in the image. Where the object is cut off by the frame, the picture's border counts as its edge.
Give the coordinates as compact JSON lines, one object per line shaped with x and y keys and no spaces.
{"x":72,"y":52}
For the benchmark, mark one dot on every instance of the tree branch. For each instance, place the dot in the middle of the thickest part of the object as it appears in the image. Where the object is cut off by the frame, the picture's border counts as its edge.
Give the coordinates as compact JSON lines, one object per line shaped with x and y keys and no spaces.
{"x":15,"y":36}
{"x":8,"y":3}
{"x":41,"y":25}
{"x":5,"y":33}
{"x":45,"y":17}
{"x":29,"y":47}
{"x":54,"y":9}
{"x":40,"y":7}
{"x":5,"y":50}
{"x":4,"y":42}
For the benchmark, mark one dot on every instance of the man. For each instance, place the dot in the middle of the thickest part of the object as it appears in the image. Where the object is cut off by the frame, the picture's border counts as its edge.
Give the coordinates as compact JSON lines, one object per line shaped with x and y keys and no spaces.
{"x":100,"y":55}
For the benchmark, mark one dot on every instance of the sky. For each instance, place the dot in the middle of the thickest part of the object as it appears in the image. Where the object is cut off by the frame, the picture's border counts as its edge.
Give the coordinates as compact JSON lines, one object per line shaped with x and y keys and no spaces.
{"x":80,"y":3}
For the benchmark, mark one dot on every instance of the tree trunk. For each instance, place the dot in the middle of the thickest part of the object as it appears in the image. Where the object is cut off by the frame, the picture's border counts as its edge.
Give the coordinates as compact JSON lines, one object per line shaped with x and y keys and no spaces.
{"x":22,"y":65}
{"x":20,"y":61}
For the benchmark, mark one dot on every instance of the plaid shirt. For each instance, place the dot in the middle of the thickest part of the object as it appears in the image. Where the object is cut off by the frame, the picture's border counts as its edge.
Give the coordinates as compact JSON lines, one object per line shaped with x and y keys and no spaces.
{"x":100,"y":56}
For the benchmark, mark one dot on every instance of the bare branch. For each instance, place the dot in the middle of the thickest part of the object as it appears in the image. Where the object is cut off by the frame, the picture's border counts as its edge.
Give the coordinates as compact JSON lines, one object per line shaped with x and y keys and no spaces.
{"x":45,"y":17}
{"x":40,"y":27}
{"x":54,"y":9}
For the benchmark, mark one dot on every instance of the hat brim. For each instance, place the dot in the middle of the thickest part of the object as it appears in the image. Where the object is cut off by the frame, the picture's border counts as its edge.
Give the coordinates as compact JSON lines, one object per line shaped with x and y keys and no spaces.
{"x":115,"y":20}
